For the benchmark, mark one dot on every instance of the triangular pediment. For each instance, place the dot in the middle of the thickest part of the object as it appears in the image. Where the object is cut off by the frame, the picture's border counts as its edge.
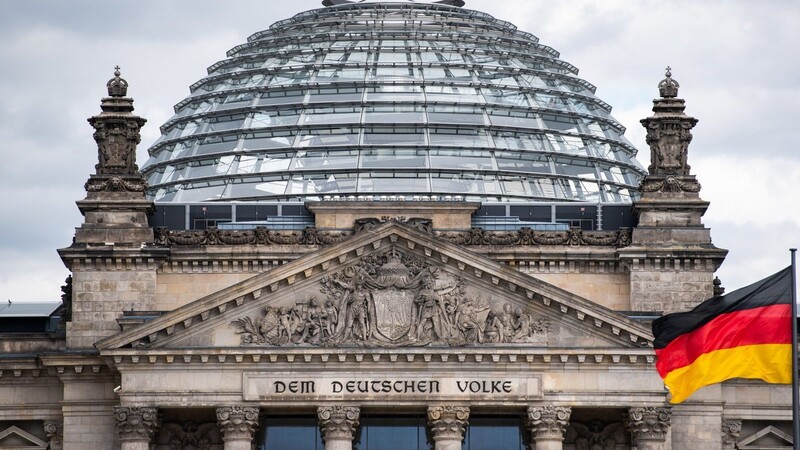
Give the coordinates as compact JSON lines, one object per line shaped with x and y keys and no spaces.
{"x":767,"y":438}
{"x":14,"y":437}
{"x":391,"y":286}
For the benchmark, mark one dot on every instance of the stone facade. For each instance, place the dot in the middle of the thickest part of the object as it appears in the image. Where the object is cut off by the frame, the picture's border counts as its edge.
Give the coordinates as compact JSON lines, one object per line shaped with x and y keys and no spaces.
{"x":411,"y":311}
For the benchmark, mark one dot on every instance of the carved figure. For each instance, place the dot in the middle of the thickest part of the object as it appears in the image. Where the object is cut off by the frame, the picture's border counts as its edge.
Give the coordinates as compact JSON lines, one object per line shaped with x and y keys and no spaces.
{"x":595,"y":435}
{"x":391,"y":300}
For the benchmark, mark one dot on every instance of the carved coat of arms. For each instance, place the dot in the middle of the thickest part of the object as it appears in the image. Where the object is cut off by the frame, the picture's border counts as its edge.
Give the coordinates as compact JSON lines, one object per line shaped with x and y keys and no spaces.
{"x":392,"y":300}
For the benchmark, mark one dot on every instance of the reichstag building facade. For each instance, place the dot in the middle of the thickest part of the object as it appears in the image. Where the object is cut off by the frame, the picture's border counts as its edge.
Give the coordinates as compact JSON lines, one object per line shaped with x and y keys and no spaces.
{"x":381,"y":226}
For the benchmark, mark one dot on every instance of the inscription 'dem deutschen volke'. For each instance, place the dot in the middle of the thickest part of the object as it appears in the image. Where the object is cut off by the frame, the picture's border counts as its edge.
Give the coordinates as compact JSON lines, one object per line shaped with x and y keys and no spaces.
{"x":341,"y":386}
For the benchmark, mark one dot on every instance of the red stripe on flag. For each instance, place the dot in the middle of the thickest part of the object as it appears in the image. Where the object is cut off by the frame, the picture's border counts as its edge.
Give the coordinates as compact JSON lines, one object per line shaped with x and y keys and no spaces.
{"x":764,"y":325}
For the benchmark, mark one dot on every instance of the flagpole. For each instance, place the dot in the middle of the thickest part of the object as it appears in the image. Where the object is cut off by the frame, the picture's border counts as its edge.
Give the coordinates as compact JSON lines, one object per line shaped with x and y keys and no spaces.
{"x":795,"y":418}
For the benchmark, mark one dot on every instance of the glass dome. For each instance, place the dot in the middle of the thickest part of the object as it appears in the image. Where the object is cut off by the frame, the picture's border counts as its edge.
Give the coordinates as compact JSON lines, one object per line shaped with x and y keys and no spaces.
{"x":419,"y":100}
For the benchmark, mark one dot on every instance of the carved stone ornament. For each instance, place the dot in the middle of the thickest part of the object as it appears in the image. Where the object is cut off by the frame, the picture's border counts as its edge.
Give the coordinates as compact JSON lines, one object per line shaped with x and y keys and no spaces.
{"x":338,"y":422}
{"x":136,"y":423}
{"x":258,"y":236}
{"x":189,"y":436}
{"x":313,"y":236}
{"x":392,"y":300}
{"x":54,"y":429}
{"x":237,"y":422}
{"x":116,"y":184}
{"x":117,"y":131}
{"x":448,"y":422}
{"x":670,"y":184}
{"x":731,"y":428}
{"x":548,"y":422}
{"x":649,"y":423}
{"x":669,"y":131}
{"x":596,"y":435}
{"x":526,"y":236}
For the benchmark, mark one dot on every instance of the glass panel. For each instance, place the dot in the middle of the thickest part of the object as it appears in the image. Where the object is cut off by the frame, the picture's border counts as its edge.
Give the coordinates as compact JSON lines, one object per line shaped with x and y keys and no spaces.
{"x":269,"y":162}
{"x":455,"y":94}
{"x":393,"y":182}
{"x":506,"y":97}
{"x":398,"y":93}
{"x":561,"y":123}
{"x":461,"y":159}
{"x":276,"y":118}
{"x":455,"y":114}
{"x":394,"y":73}
{"x":200,"y":194}
{"x":336,"y":94}
{"x":312,"y":184}
{"x":209,"y":167}
{"x":394,"y":136}
{"x":331,"y":114}
{"x":295,"y":433}
{"x":224,"y":123}
{"x":392,"y":433}
{"x":575,"y":168}
{"x":243,"y":188}
{"x":513,"y":186}
{"x":340,"y":74}
{"x":544,"y":187}
{"x":288,"y":78}
{"x":465,"y":183}
{"x":391,"y":158}
{"x":392,"y":58}
{"x":281,"y":97}
{"x":520,"y":141}
{"x":461,"y":137}
{"x":335,"y":136}
{"x":522,"y":162}
{"x":216,"y":144}
{"x":572,"y":145}
{"x":494,"y":433}
{"x":256,"y":141}
{"x":326,"y":159}
{"x":514,"y":118}
{"x":394,"y":114}
{"x":447,"y":73}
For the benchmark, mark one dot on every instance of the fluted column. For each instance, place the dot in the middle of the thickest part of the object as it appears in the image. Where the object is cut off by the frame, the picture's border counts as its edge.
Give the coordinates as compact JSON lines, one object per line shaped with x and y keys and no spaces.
{"x":338,"y":425}
{"x":54,"y":429}
{"x":731,"y":428}
{"x":547,"y":425}
{"x":136,"y":426}
{"x":447,"y":425}
{"x":649,"y":426}
{"x":237,"y":425}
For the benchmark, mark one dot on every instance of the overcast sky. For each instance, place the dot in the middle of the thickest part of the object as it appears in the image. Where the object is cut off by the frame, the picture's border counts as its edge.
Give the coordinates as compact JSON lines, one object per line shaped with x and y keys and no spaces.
{"x":736,"y":60}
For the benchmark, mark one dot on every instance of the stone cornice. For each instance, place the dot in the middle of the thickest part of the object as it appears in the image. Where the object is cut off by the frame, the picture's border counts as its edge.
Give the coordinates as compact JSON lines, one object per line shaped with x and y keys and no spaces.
{"x":516,"y":284}
{"x":492,"y":358}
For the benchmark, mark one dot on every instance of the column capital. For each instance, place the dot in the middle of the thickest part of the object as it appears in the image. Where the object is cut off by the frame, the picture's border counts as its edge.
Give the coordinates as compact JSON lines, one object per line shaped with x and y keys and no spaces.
{"x":338,"y":422}
{"x":649,"y":423}
{"x":54,"y":429}
{"x":731,"y":428}
{"x":448,"y":422}
{"x":237,"y":422}
{"x":136,"y":423}
{"x":548,"y":422}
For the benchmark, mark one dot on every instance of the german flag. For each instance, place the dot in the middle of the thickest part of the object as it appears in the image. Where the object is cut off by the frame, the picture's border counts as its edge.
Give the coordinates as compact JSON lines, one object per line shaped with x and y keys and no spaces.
{"x":744,"y":334}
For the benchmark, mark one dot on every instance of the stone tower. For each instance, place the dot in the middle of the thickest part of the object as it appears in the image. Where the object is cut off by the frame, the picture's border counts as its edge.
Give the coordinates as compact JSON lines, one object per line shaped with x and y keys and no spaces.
{"x":113,"y":268}
{"x":671,"y":259}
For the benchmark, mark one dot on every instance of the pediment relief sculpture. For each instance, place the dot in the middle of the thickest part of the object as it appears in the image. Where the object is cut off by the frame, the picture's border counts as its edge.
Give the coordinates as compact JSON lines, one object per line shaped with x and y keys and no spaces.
{"x":391,"y":300}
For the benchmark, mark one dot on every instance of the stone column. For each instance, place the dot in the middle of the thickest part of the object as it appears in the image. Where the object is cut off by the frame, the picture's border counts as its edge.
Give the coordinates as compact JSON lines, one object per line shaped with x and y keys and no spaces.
{"x":649,"y":427}
{"x":547,"y":425}
{"x":238,"y":425}
{"x":447,"y":425}
{"x":338,"y":425}
{"x":54,"y":429}
{"x":731,"y":428}
{"x":136,"y":426}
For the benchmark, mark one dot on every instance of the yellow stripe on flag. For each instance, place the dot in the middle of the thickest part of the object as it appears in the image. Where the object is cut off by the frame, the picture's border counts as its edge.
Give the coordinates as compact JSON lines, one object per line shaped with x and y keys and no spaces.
{"x":769,"y":362}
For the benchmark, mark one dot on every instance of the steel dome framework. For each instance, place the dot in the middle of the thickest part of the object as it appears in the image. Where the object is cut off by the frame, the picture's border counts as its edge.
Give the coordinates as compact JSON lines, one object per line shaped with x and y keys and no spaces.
{"x":421,"y":101}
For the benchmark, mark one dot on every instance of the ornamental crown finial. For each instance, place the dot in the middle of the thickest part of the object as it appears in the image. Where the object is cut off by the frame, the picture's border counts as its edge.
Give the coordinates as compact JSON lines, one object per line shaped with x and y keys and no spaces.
{"x":117,"y":87}
{"x":668,"y":88}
